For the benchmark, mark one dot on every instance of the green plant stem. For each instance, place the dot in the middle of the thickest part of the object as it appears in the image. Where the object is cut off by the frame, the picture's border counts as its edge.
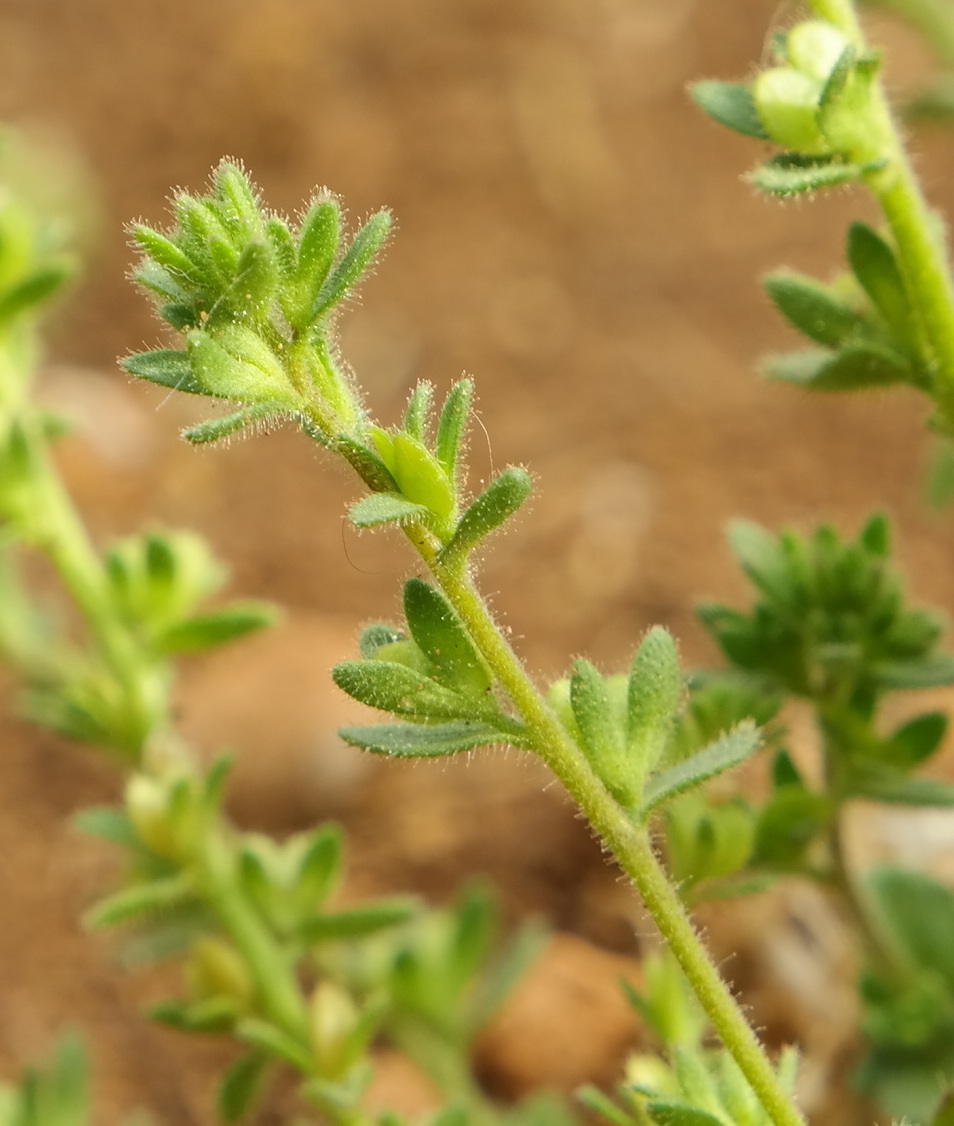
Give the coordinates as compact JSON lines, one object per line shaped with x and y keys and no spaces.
{"x":629,"y":843}
{"x":275,"y":982}
{"x":915,"y":228}
{"x":54,"y":527}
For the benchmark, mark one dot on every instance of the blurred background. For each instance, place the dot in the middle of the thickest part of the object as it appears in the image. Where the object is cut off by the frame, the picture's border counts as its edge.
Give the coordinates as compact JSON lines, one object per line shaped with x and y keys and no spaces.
{"x":572,"y":233}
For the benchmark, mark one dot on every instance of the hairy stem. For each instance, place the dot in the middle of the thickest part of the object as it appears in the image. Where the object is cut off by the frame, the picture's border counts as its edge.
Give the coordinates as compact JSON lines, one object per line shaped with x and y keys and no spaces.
{"x":629,"y":843}
{"x":916,"y":229}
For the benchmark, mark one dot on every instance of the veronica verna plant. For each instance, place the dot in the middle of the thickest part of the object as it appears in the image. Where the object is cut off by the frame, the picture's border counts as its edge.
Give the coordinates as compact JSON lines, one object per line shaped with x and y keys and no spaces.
{"x":255,"y":297}
{"x":253,"y":300}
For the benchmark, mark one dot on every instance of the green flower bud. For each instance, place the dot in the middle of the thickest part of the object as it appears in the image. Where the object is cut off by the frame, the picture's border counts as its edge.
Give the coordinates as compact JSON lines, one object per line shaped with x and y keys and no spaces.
{"x":147,"y":805}
{"x":333,"y":1018}
{"x":216,"y":970}
{"x":814,"y":47}
{"x":787,"y":102}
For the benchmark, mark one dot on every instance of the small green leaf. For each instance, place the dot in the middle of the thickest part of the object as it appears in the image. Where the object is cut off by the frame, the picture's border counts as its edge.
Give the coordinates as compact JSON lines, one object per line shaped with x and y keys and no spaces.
{"x":603,"y":740}
{"x":875,"y":536}
{"x":678,"y":1114}
{"x":496,"y":504}
{"x":256,"y":279}
{"x":452,"y":424}
{"x":239,"y":205}
{"x":215,"y":1015}
{"x":242,"y":1086}
{"x":407,"y":740}
{"x":813,"y":308}
{"x":792,"y":173}
{"x":356,"y":260}
{"x":654,"y":693}
{"x":108,"y":823}
{"x":789,"y":822}
{"x":38,"y":288}
{"x":218,"y":628}
{"x":854,"y":367}
{"x":729,"y":751}
{"x":926,"y":672}
{"x":731,"y":104}
{"x":164,"y":251}
{"x":785,"y":772}
{"x":215,"y":429}
{"x":874,"y":264}
{"x":276,"y":1042}
{"x":418,"y":410}
{"x":385,"y":508}
{"x":400,"y":690}
{"x":139,"y":900}
{"x":358,"y":922}
{"x":369,"y":467}
{"x":441,"y":636}
{"x":915,"y":741}
{"x":318,"y":245}
{"x":878,"y":782}
{"x":168,"y":367}
{"x":375,"y":637}
{"x":918,"y":913}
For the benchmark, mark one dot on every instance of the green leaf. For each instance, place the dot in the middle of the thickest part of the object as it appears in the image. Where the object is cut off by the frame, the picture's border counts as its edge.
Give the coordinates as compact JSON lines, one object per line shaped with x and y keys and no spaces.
{"x":654,"y":693}
{"x":140,"y":900}
{"x":375,"y":637}
{"x":678,"y":1114}
{"x":38,"y":288}
{"x":418,"y":410}
{"x":401,"y":690}
{"x":591,"y":708}
{"x":385,"y":508}
{"x":406,"y":740}
{"x":918,"y":913}
{"x":926,"y":672}
{"x":218,"y":628}
{"x":215,"y":1015}
{"x":215,"y":429}
{"x":358,"y":922}
{"x":108,"y":823}
{"x":168,"y":367}
{"x":874,"y":264}
{"x":875,"y":536}
{"x":242,"y":1086}
{"x":731,"y":104}
{"x":915,"y":741}
{"x":239,"y":204}
{"x":256,"y":279}
{"x":276,"y":1042}
{"x":452,"y":424}
{"x":166,"y":254}
{"x":729,"y":751}
{"x":854,"y":367}
{"x":813,"y":308}
{"x":785,"y":772}
{"x":945,"y":1112}
{"x":496,"y":504}
{"x":357,"y":258}
{"x":594,"y":1099}
{"x":792,"y":173}
{"x":878,"y":782}
{"x":441,"y":635}
{"x":318,"y":245}
{"x":792,"y":818}
{"x":365,"y":462}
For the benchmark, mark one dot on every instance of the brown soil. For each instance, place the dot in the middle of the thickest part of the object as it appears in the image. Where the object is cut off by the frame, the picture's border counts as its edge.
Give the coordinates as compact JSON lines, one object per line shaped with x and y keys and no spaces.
{"x":575,"y":235}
